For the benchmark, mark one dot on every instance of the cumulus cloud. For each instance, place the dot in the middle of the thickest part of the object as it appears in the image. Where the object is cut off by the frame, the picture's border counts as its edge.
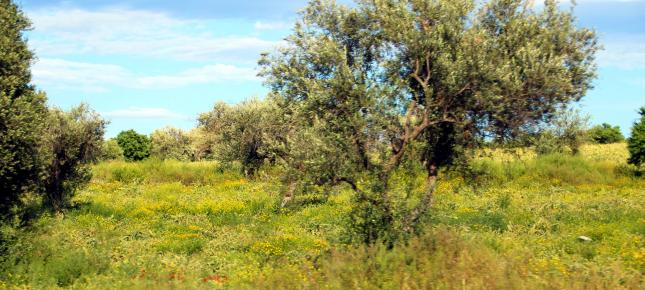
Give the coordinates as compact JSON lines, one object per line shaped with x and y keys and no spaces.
{"x":98,"y":77}
{"x":120,"y":31}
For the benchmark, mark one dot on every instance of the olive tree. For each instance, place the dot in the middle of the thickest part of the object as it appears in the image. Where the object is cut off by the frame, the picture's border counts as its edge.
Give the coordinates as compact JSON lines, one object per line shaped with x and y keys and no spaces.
{"x":242,"y":133}
{"x":202,"y":143}
{"x":73,"y":140}
{"x":170,"y":143}
{"x":366,"y":89}
{"x":22,"y":111}
{"x":565,"y":132}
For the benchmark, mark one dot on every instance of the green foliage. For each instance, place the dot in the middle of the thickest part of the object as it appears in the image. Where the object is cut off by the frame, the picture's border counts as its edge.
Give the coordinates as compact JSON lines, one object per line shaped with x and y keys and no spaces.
{"x":73,"y":140}
{"x":242,"y":133}
{"x":606,"y":134}
{"x":110,"y":150}
{"x":202,"y":143}
{"x":636,"y":142}
{"x":170,"y":143}
{"x":364,"y":89}
{"x":16,"y":57}
{"x":22,"y":111}
{"x":566,"y":131}
{"x":136,"y":147}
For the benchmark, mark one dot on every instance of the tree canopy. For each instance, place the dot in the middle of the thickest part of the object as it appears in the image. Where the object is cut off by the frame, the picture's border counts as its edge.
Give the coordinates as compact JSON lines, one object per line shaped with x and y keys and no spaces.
{"x":367,"y":88}
{"x":72,"y":141}
{"x":22,"y":110}
{"x":242,"y":133}
{"x":170,"y":143}
{"x":136,"y":147}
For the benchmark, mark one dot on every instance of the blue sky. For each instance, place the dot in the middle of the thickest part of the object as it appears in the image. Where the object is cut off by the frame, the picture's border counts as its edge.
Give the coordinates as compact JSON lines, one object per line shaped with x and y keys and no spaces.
{"x":145,"y":64}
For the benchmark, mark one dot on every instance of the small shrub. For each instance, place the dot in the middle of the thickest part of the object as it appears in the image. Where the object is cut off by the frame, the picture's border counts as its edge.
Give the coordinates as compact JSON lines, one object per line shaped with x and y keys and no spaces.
{"x":628,"y":170}
{"x":566,"y":131}
{"x":547,"y":143}
{"x":110,"y":150}
{"x":606,"y":134}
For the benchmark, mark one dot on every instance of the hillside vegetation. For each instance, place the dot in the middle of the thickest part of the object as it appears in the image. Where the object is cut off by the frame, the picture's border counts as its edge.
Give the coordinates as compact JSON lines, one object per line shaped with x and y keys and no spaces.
{"x":174,"y":225}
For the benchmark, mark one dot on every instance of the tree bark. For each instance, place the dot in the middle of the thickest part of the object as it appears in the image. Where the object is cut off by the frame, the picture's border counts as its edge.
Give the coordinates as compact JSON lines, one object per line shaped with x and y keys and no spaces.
{"x":288,"y":196}
{"x":425,"y":203}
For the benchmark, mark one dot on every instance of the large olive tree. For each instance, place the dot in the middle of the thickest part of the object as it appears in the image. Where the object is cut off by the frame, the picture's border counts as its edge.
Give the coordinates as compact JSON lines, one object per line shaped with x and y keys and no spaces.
{"x":22,"y":111}
{"x":367,"y":88}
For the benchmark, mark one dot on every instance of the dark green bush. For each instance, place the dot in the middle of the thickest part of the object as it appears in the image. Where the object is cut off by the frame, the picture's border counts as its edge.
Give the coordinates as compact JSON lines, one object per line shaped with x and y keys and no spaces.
{"x":136,"y":147}
{"x":606,"y":134}
{"x":636,"y":143}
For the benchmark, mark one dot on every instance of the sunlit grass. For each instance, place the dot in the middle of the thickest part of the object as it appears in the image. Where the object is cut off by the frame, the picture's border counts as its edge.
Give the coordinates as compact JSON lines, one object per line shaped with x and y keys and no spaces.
{"x":174,"y":225}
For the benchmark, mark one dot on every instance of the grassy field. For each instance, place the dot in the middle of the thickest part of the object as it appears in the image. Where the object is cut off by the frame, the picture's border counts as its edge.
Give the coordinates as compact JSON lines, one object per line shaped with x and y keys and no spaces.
{"x":172,"y":225}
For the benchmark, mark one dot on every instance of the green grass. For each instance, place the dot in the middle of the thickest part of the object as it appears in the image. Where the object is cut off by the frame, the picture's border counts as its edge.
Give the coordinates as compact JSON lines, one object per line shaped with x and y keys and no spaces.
{"x":173,"y":225}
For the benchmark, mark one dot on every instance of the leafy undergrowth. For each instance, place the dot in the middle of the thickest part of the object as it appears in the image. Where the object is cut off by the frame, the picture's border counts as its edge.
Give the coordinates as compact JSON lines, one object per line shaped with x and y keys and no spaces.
{"x":172,"y":225}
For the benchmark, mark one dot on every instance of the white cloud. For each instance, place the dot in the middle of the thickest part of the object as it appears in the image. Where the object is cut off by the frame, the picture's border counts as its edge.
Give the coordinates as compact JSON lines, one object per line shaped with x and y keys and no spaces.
{"x":261,"y":25}
{"x":623,"y":52}
{"x":206,"y":74}
{"x":98,"y":77}
{"x":136,"y":33}
{"x":89,"y":77}
{"x":144,"y":113}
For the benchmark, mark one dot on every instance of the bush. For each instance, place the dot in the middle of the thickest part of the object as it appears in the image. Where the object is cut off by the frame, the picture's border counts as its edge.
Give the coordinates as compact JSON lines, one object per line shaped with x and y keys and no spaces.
{"x":136,"y":147}
{"x":156,"y":171}
{"x":73,"y":140}
{"x":110,"y":150}
{"x":606,"y":134}
{"x":170,"y":143}
{"x":565,"y":132}
{"x":636,"y":143}
{"x":547,"y":143}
